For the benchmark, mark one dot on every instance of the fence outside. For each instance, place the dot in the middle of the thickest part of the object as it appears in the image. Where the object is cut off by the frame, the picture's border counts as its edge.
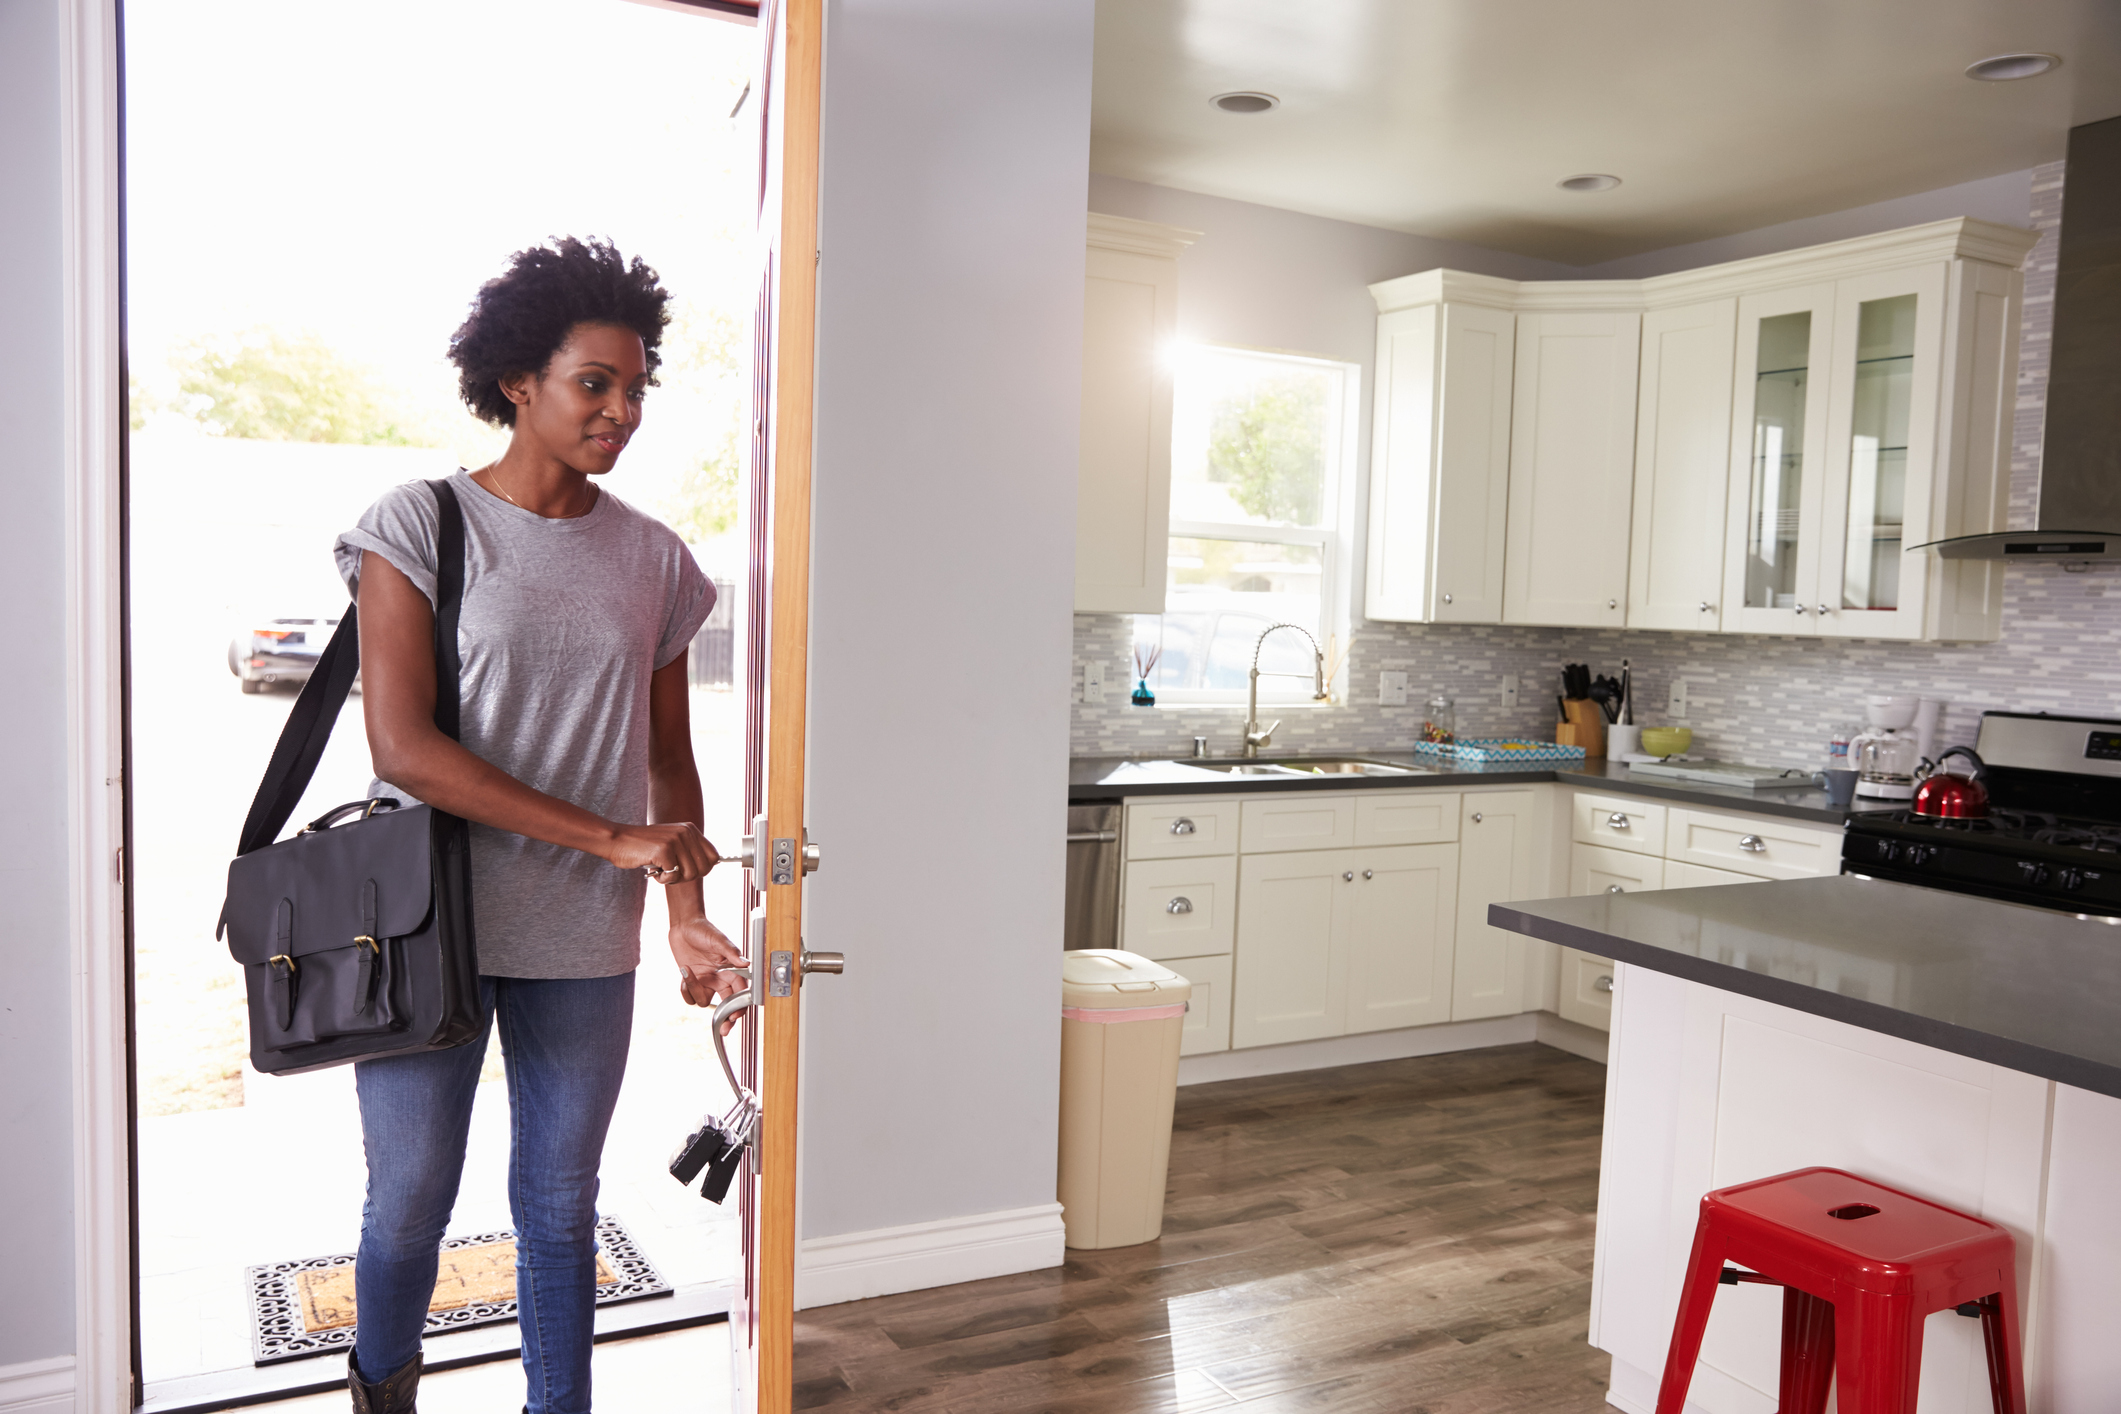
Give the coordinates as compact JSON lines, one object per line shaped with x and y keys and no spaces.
{"x":713,"y":662}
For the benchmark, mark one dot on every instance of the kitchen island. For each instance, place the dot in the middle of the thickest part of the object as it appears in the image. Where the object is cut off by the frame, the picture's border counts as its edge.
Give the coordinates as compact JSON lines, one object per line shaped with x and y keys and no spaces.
{"x":1960,"y":1048}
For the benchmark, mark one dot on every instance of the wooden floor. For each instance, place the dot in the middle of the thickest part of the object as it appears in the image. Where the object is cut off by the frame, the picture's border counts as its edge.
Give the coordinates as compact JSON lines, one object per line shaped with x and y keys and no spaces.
{"x":1411,"y":1236}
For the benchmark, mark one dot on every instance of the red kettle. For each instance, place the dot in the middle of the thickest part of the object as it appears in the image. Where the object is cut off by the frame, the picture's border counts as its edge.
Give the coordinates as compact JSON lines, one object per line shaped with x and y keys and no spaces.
{"x":1945,"y":796}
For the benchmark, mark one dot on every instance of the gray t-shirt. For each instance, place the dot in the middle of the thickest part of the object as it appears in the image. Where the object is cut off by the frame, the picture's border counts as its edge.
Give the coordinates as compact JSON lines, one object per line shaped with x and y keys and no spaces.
{"x":563,"y":623}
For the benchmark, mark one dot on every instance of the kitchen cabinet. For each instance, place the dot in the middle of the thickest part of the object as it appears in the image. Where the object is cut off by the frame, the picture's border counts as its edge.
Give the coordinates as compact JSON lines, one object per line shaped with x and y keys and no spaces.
{"x":1873,"y":416}
{"x":1572,"y":455}
{"x":1123,"y":482}
{"x":1331,"y":942}
{"x":1750,"y":447}
{"x":1167,"y":827}
{"x":1682,"y":450}
{"x":1179,"y":907}
{"x":1440,"y":457}
{"x":1496,"y":849}
{"x":1629,"y":846}
{"x":1281,"y":822}
{"x":1207,"y":1026}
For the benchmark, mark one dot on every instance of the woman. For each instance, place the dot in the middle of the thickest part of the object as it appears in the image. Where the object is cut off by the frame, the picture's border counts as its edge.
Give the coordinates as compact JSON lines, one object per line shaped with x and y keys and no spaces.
{"x":574,"y":766}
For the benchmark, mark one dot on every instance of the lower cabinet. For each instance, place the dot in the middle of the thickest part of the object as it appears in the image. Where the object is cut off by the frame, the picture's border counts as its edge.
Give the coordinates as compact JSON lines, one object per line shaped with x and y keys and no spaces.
{"x":1343,"y":940}
{"x":1496,"y":830}
{"x":1207,"y":1025}
{"x":1586,"y":979}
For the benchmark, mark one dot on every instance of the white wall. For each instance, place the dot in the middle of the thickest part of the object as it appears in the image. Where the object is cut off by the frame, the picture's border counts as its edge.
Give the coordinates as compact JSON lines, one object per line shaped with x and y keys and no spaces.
{"x":956,"y":151}
{"x":36,"y":1231}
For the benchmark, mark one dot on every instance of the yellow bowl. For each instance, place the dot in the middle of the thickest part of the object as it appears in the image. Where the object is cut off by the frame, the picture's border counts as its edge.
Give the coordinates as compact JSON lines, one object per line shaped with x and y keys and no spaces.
{"x":1667,"y":741}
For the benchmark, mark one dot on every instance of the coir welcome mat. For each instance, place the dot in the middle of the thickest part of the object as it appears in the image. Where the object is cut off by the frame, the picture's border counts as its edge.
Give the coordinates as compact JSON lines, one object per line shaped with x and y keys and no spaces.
{"x":306,"y":1307}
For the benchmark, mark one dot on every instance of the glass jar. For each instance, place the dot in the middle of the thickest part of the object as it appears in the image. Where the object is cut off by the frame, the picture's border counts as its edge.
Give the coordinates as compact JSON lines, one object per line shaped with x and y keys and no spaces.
{"x":1439,"y":723}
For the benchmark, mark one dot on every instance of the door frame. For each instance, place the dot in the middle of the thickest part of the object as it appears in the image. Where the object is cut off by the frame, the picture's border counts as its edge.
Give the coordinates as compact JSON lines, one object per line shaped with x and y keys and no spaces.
{"x":92,"y":234}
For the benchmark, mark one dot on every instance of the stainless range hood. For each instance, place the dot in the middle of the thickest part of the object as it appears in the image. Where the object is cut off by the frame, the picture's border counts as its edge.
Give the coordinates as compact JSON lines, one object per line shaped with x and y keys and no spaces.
{"x":2079,"y":516}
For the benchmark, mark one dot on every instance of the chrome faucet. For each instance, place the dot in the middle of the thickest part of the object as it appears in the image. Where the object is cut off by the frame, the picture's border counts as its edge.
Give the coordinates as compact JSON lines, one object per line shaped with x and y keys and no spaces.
{"x":1254,"y":737}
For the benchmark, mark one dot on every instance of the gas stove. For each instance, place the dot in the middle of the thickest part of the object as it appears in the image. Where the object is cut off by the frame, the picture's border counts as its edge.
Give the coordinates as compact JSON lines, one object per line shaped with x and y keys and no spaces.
{"x":2052,"y":837}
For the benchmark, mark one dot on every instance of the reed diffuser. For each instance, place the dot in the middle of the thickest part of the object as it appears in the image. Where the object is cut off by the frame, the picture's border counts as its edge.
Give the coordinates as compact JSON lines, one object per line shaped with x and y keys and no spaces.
{"x":1143,"y":666}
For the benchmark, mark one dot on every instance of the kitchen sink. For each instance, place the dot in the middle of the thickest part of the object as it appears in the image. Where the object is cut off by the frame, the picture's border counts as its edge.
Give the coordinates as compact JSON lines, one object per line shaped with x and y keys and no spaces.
{"x":1297,"y":767}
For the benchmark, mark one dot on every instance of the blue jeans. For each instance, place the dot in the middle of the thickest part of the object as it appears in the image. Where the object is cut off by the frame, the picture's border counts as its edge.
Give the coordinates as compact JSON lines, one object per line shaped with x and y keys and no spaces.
{"x":563,"y":1042}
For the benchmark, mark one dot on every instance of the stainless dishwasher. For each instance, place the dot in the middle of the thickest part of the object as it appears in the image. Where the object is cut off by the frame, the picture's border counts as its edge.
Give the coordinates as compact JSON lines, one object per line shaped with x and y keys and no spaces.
{"x":1093,"y":876}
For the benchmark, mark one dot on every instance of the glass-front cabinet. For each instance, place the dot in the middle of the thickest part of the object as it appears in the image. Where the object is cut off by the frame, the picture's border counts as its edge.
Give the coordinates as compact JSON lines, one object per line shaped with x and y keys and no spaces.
{"x":1832,"y":453}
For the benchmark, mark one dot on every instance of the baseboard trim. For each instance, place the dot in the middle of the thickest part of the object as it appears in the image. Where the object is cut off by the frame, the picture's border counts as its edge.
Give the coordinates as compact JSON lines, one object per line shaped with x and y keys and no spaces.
{"x":1572,"y":1036}
{"x":38,"y":1386}
{"x":857,"y":1265}
{"x":1357,"y":1050}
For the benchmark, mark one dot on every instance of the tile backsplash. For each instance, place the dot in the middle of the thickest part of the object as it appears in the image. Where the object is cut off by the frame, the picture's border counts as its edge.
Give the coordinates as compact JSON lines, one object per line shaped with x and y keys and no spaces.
{"x":1765,"y":700}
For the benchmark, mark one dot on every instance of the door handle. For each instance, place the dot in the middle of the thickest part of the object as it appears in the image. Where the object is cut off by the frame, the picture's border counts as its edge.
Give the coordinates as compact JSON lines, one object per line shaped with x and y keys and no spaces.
{"x":811,"y":855}
{"x":1181,"y":904}
{"x":1093,"y":837}
{"x":1366,"y":874}
{"x":1476,"y":817}
{"x":1347,"y":876}
{"x":832,"y":962}
{"x":1752,"y":844}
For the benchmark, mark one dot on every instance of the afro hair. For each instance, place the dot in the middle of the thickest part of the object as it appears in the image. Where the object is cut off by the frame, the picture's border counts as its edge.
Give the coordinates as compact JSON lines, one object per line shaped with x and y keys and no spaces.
{"x":521,"y":318}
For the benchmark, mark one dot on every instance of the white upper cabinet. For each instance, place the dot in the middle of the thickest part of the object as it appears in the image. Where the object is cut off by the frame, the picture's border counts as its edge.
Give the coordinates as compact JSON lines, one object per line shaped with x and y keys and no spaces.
{"x":1440,"y":460}
{"x":1753,"y":447}
{"x":1682,"y":445}
{"x":1572,"y":469}
{"x":1123,"y":486}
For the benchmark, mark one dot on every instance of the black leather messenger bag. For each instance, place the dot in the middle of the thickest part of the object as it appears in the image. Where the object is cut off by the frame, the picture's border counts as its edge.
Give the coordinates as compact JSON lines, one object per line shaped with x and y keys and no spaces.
{"x":355,"y":935}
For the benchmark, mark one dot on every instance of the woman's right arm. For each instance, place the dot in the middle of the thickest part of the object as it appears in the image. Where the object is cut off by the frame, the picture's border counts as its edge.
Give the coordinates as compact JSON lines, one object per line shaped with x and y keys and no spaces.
{"x":398,"y":702}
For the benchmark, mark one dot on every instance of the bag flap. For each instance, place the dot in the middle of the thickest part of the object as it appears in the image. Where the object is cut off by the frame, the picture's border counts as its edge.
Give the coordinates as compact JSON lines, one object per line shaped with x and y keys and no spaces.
{"x":324,"y":877}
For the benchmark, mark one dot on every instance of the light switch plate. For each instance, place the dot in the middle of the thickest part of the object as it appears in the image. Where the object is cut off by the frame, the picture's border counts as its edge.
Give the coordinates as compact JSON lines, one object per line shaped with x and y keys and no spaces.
{"x":1093,"y":682}
{"x":1392,"y":689}
{"x":1675,"y":699}
{"x":1509,"y":689}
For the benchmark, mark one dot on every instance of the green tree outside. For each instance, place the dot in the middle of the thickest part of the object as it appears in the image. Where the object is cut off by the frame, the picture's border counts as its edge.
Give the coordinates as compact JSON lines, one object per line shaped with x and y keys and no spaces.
{"x":1266,"y":442}
{"x":274,"y":387}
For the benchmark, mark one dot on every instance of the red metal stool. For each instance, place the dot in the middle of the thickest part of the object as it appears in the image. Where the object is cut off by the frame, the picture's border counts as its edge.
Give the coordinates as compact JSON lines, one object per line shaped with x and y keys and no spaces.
{"x":1860,"y":1265}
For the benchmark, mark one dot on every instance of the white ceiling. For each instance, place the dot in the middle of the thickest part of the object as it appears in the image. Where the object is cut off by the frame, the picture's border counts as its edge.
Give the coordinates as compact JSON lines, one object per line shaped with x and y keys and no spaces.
{"x":1455,"y":118}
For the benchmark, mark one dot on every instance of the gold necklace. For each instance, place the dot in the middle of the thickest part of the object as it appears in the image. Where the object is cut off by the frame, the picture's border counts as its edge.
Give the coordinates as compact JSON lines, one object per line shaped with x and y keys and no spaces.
{"x":493,"y":474}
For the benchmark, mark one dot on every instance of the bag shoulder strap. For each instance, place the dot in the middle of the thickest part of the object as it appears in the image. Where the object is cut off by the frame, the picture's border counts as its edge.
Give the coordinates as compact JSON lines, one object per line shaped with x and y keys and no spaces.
{"x":316,"y":711}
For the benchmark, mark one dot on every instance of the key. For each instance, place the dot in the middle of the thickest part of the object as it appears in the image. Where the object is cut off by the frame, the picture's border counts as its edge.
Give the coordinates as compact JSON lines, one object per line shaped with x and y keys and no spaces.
{"x":700,"y":1148}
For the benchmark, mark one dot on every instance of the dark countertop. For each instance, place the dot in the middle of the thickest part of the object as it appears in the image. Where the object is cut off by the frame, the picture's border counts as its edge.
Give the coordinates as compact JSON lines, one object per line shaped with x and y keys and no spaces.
{"x":2030,"y":989}
{"x":1094,"y":778}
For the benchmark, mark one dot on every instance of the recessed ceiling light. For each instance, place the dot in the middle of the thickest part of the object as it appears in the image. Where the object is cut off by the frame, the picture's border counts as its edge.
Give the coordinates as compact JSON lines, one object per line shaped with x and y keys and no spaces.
{"x":1245,"y":101}
{"x":2001,"y":67}
{"x":1589,"y":181}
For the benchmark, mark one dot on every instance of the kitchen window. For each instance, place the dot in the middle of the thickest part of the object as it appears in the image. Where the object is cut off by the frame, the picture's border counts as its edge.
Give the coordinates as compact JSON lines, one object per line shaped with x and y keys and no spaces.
{"x":1260,"y":446}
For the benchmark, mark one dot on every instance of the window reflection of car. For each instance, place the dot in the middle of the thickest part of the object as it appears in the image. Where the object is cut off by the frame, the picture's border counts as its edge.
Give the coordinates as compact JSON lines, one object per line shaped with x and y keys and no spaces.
{"x":277,"y":651}
{"x":1208,"y":638}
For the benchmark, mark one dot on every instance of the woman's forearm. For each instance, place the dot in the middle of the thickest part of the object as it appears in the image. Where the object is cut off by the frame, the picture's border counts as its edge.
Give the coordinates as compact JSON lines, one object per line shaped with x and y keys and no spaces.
{"x":674,"y":798}
{"x":441,"y":773}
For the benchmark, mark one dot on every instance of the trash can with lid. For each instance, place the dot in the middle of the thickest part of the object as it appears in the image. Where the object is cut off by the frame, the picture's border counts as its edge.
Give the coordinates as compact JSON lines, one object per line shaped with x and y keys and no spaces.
{"x":1121,"y":1016}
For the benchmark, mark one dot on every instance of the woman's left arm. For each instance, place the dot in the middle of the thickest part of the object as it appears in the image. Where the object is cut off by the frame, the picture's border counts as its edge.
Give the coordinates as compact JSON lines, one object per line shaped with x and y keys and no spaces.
{"x":701,"y":949}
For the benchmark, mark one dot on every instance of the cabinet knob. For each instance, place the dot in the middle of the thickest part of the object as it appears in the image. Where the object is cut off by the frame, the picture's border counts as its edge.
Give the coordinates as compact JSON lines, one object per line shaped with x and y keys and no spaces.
{"x":1602,"y":983}
{"x":1447,"y":598}
{"x":1825,"y":609}
{"x":1617,"y":821}
{"x":1476,"y":817}
{"x":1366,"y":874}
{"x":1707,"y":607}
{"x":1752,"y":844}
{"x":1612,"y":603}
{"x":1802,"y":610}
{"x":1181,"y":826}
{"x":1347,"y":876}
{"x":1180,"y":904}
{"x":1614,"y":889}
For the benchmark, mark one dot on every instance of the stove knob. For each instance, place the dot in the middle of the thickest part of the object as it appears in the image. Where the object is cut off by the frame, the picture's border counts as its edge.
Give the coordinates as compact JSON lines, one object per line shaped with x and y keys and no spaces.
{"x":2072,"y":879}
{"x":1888,"y":850}
{"x":2032,"y":872}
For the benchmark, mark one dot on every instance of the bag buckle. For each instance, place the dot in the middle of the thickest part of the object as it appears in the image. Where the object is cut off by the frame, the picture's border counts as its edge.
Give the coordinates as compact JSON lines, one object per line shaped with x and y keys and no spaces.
{"x":279,"y":957}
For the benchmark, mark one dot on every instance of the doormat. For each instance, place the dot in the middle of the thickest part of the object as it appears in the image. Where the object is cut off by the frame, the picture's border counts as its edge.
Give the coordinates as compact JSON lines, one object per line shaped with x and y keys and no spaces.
{"x":306,"y":1307}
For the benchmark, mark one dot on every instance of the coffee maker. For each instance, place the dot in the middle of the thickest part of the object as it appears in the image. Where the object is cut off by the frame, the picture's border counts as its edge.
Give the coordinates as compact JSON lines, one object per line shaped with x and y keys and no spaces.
{"x":1887,"y":756}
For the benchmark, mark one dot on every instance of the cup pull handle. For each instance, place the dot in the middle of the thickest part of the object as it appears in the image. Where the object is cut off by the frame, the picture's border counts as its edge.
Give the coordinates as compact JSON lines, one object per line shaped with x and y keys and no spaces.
{"x":1614,"y":889}
{"x":1181,"y":826}
{"x":1181,"y":904}
{"x":1617,"y":821}
{"x":1602,"y":983}
{"x":1752,"y":844}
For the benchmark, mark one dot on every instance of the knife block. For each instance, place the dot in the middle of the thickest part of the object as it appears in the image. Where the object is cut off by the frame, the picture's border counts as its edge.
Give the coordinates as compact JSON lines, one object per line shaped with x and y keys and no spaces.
{"x":1585,"y":726}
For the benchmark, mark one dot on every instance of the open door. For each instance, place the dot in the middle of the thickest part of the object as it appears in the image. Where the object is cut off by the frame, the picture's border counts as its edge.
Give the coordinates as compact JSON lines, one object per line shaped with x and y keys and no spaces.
{"x":762,"y":1324}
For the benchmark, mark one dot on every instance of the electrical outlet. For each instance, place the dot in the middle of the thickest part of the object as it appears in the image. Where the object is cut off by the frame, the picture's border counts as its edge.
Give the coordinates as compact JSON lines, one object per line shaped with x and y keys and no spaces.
{"x":1675,"y":700}
{"x":1392,"y":689}
{"x":1509,"y":689}
{"x":1093,"y":682}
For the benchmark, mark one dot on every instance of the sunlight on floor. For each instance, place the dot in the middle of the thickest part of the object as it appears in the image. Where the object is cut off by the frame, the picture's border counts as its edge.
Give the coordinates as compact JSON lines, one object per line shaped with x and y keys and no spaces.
{"x":683,"y":1372}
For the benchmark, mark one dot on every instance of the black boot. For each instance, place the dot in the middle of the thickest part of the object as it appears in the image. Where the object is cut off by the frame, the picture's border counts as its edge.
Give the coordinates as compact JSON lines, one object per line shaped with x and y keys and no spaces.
{"x":393,"y":1396}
